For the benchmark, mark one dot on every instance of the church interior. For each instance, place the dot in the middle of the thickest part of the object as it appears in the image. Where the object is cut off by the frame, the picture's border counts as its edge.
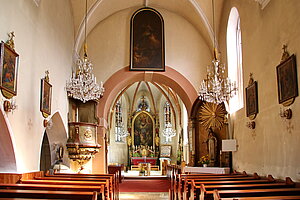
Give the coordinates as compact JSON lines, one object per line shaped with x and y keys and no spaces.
{"x":149,"y":90}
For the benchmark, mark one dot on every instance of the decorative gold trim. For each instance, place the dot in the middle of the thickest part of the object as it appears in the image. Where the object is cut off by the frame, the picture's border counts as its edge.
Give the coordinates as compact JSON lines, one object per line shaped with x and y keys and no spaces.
{"x":212,"y":115}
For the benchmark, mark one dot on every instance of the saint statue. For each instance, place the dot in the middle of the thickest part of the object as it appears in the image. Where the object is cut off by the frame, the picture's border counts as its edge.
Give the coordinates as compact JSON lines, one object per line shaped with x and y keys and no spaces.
{"x":129,"y":140}
{"x":157,"y":140}
{"x":212,"y":147}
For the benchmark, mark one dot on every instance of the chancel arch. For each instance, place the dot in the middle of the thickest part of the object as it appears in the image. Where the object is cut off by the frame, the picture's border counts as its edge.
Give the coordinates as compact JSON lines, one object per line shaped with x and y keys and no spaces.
{"x":123,"y":78}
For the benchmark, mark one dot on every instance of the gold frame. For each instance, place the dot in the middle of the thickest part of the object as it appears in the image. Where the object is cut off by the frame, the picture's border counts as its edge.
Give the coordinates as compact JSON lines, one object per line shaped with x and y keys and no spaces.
{"x":6,"y":51}
{"x":46,"y":96}
{"x":153,"y":125}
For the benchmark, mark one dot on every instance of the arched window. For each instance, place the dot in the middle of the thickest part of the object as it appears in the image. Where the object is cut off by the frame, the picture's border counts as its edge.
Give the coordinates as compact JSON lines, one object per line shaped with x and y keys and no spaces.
{"x":167,"y":113}
{"x":120,"y":129}
{"x":234,"y":57}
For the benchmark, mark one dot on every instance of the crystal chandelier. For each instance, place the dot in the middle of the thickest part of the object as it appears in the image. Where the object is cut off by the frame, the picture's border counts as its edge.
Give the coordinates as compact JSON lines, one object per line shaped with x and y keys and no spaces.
{"x":121,"y":131}
{"x":82,"y":84}
{"x":168,"y":132}
{"x":216,"y":88}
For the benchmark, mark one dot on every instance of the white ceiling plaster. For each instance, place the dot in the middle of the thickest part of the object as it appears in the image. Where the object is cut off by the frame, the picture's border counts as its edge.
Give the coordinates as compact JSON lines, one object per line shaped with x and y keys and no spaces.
{"x":191,"y":10}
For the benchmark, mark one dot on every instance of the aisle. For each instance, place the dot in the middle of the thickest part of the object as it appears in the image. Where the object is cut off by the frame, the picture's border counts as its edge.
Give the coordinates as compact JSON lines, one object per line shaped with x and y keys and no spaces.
{"x":144,"y":196}
{"x":144,"y":188}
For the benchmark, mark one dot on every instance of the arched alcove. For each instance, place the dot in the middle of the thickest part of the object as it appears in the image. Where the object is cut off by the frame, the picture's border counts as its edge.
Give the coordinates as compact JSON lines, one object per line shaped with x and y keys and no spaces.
{"x":55,"y":135}
{"x":7,"y":152}
{"x":45,"y":159}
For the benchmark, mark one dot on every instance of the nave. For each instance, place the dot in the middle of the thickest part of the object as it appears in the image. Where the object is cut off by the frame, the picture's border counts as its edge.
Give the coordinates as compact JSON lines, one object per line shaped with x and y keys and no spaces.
{"x":174,"y":186}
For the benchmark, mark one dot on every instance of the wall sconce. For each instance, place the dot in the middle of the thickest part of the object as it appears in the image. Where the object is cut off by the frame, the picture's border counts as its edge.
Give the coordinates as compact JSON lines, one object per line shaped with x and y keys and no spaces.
{"x":286,"y":113}
{"x":9,"y":105}
{"x":48,"y":123}
{"x":251,"y":124}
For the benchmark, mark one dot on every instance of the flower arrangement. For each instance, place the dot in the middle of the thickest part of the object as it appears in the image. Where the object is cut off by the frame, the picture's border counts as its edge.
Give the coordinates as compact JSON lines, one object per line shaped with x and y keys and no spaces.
{"x":204,"y":160}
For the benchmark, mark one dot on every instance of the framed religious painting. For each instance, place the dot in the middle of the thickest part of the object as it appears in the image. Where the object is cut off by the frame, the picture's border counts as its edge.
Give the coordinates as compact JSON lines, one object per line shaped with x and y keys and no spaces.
{"x":287,"y":82}
{"x":46,"y":94}
{"x":251,"y":100}
{"x":165,"y":151}
{"x":9,"y":61}
{"x":147,"y":48}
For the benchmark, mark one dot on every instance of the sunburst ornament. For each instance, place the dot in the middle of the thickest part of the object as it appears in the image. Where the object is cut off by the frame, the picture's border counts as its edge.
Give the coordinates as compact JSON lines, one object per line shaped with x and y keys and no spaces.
{"x":212,"y":115}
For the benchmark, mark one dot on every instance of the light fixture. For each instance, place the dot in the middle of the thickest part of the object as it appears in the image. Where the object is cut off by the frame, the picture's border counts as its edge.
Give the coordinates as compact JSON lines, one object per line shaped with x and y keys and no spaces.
{"x":216,"y":88}
{"x":168,"y":132}
{"x":82,"y":84}
{"x":120,"y":127}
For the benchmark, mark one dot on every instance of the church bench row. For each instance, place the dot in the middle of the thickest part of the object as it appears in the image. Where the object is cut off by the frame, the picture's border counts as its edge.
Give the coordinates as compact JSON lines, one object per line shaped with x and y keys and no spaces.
{"x":182,"y":179}
{"x":241,"y":187}
{"x":113,"y":179}
{"x":108,"y":192}
{"x":46,"y":194}
{"x":104,"y":186}
{"x":99,"y":190}
{"x":253,"y":193}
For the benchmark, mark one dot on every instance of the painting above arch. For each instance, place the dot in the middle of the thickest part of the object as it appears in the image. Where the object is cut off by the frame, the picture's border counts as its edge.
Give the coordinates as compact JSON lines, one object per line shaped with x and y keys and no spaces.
{"x":147,"y":49}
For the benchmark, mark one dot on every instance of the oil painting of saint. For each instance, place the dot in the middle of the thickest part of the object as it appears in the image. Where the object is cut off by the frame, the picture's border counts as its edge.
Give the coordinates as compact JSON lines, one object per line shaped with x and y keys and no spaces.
{"x":147,"y":40}
{"x":9,"y":64}
{"x":143,"y":130}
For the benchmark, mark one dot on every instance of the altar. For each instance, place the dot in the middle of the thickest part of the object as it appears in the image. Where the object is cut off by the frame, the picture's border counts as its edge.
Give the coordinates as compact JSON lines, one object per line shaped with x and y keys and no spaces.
{"x":137,"y":160}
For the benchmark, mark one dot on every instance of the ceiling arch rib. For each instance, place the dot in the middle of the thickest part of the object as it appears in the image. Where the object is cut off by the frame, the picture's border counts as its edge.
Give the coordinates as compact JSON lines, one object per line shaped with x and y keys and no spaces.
{"x":102,"y":9}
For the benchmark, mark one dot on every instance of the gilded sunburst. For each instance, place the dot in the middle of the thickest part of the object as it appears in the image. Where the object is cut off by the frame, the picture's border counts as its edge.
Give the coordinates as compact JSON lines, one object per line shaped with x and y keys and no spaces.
{"x":212,"y":115}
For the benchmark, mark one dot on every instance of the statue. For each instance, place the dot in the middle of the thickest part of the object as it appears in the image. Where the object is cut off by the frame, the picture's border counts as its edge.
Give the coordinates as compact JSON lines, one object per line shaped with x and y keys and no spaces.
{"x":157,"y":140}
{"x":212,"y":147}
{"x":129,"y":140}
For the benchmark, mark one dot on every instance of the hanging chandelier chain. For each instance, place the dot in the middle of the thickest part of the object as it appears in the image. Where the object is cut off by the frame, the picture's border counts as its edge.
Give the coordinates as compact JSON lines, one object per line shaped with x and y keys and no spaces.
{"x":216,"y":88}
{"x":83,"y":85}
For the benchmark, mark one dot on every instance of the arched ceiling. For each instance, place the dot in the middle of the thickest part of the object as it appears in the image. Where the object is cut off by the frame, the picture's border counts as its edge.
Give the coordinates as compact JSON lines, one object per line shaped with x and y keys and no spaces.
{"x":196,"y":12}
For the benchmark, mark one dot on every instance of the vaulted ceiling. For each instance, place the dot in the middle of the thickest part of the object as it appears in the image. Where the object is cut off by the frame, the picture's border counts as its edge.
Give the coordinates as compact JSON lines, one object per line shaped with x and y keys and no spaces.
{"x":197,"y":12}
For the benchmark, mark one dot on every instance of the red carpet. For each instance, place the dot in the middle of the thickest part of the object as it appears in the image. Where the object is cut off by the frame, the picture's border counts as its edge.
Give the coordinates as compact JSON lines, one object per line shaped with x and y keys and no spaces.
{"x":145,"y":185}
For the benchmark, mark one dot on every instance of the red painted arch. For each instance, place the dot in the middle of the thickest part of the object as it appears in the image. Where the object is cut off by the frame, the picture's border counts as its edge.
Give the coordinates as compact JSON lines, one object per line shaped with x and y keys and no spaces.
{"x":172,"y":78}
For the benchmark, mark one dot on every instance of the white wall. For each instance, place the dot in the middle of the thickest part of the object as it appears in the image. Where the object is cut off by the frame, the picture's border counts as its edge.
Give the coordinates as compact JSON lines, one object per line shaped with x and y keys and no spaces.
{"x":273,"y":147}
{"x":44,"y":40}
{"x":185,"y":50}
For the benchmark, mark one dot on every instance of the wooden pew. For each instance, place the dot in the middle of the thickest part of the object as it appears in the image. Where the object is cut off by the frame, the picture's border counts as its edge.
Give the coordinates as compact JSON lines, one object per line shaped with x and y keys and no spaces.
{"x":207,"y":190}
{"x":62,"y":182}
{"x":82,"y":188}
{"x":184,"y":183}
{"x":114,"y":188}
{"x":109,"y":181}
{"x":251,"y":193}
{"x":46,"y":194}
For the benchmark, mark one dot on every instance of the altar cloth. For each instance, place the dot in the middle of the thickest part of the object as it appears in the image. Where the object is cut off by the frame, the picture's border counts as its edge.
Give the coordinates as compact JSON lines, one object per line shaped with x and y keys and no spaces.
{"x":137,"y":160}
{"x":208,"y":170}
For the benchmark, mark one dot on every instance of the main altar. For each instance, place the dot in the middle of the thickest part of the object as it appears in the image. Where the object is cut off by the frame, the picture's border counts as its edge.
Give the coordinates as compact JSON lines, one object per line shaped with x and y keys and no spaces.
{"x":143,"y":142}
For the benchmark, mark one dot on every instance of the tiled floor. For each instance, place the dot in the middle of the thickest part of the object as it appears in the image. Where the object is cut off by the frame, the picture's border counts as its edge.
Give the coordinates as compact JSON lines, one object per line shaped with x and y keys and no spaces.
{"x":144,"y":196}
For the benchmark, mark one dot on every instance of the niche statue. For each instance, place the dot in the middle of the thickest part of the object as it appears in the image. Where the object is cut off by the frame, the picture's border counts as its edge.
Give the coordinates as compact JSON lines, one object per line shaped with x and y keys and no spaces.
{"x":212,"y":146}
